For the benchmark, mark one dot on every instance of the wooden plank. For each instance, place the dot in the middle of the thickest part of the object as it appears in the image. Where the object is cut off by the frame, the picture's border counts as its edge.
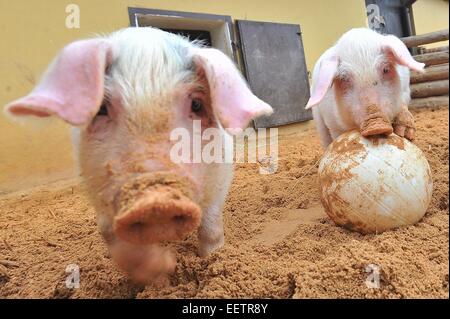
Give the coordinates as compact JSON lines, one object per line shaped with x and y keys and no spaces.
{"x":427,"y":89}
{"x":427,"y":38}
{"x":432,"y":58}
{"x":432,"y":101}
{"x":275,"y":68}
{"x":424,"y":50}
{"x":433,"y":73}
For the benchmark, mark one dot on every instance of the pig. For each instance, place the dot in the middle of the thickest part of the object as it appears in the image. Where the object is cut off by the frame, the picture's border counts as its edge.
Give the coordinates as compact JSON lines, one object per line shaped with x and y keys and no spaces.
{"x":123,"y":94}
{"x":362,"y":82}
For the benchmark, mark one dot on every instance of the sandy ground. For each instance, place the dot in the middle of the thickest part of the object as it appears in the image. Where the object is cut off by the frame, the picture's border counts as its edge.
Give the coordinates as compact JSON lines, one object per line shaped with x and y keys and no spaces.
{"x":279,"y":242}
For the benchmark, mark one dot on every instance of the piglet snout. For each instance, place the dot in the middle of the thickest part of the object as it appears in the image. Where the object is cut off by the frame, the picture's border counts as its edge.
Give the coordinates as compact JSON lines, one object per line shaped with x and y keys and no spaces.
{"x":375,"y":123}
{"x":155,"y":214}
{"x":143,"y":263}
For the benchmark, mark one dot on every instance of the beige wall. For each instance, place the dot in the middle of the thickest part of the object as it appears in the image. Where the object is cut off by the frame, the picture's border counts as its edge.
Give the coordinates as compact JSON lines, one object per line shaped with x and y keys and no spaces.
{"x":431,"y":15}
{"x":32,"y":32}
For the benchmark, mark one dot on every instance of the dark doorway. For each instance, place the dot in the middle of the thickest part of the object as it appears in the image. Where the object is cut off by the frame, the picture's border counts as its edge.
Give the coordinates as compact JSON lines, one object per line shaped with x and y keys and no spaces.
{"x":200,"y":35}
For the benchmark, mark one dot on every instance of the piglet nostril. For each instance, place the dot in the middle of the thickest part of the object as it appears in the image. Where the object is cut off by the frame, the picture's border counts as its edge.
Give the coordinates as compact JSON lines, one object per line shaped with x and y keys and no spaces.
{"x":137,"y":227}
{"x":179,"y":219}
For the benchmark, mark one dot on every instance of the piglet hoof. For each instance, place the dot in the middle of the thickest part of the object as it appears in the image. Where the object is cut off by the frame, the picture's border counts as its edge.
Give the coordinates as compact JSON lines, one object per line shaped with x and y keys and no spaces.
{"x":376,"y":126}
{"x":157,"y":215}
{"x":207,"y":248}
{"x":404,"y":125}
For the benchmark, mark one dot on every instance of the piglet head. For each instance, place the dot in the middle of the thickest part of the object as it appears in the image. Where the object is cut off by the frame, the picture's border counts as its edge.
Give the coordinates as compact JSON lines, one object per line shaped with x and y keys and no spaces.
{"x":369,"y":75}
{"x":127,"y":94}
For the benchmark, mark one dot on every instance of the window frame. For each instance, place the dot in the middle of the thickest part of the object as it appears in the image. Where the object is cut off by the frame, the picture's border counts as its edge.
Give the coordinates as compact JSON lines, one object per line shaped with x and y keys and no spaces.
{"x":133,"y":12}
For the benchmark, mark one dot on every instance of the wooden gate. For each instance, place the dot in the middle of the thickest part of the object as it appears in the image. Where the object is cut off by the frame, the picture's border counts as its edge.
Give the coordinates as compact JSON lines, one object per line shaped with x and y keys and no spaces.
{"x":275,"y":67}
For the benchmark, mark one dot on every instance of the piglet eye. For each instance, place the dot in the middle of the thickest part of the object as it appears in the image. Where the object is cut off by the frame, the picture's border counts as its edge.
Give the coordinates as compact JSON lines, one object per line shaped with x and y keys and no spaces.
{"x":344,"y":81}
{"x":386,"y":70}
{"x":196,"y":106}
{"x":103,"y":111}
{"x":345,"y":78}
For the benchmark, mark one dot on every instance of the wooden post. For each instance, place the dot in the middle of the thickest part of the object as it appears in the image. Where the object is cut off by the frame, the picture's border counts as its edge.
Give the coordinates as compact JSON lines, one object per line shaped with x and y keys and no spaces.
{"x":433,"y":101}
{"x":431,"y":50}
{"x":430,"y":89}
{"x":427,"y":38}
{"x":432,"y":58}
{"x":433,"y":73}
{"x":427,"y":89}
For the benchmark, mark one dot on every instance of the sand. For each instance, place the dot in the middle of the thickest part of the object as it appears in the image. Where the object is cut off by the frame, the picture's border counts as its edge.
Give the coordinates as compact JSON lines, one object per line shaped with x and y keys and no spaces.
{"x":279,"y":241}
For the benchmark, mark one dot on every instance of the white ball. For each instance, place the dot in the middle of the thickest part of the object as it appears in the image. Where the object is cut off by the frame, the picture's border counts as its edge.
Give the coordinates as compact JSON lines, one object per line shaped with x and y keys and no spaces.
{"x":373,"y":184}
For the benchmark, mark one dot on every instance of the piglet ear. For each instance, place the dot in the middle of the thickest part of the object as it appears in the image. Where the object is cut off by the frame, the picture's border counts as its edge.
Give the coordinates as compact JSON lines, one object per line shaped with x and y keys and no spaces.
{"x":324,"y":76}
{"x":398,"y":49}
{"x":72,"y":87}
{"x":232,"y":101}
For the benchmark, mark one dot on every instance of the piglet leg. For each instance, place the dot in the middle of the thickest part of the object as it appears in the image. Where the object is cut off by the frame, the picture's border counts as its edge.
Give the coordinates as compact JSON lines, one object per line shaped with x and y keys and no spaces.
{"x":404,"y":124}
{"x":324,"y":132}
{"x":210,"y":233}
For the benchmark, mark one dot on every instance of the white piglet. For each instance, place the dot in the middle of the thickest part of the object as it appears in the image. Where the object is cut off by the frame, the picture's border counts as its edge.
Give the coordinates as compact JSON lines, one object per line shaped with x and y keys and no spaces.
{"x":362,"y":82}
{"x":126,"y":93}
